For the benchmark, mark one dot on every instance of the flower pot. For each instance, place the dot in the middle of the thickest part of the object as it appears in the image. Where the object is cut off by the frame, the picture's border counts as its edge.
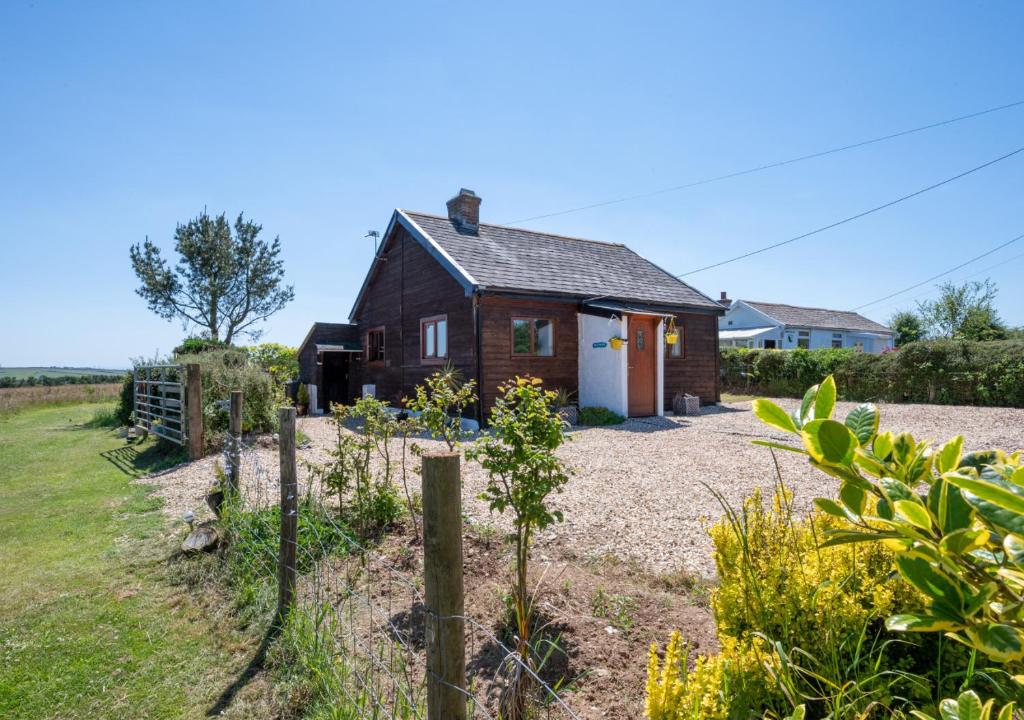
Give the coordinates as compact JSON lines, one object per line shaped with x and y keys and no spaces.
{"x":615,"y":343}
{"x":671,"y":338}
{"x":300,"y":409}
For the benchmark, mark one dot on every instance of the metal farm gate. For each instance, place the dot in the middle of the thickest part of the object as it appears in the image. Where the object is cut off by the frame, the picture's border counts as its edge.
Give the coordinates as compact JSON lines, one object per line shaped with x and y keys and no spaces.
{"x":160,"y":401}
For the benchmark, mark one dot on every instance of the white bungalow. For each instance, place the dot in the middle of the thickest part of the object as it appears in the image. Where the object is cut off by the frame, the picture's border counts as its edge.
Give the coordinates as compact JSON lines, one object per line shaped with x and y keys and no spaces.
{"x":751,"y":324}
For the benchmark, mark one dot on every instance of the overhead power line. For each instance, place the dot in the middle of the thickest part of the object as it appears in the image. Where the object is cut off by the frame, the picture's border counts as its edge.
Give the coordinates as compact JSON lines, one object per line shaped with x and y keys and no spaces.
{"x":851,"y":218}
{"x":770,"y":166}
{"x":1003,"y":264}
{"x":941,"y":274}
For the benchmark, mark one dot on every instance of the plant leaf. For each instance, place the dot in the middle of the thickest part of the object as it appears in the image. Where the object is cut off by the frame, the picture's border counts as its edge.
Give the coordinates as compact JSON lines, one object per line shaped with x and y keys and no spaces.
{"x":807,"y":406}
{"x":825,"y":399}
{"x":932,"y":582}
{"x":1013,"y":544}
{"x":778,"y":446}
{"x":883,"y":445}
{"x":771,"y":414}
{"x":969,"y":706}
{"x":831,"y":507}
{"x":949,"y":455}
{"x":863,"y":421}
{"x":914,"y":513}
{"x":1000,"y":642}
{"x":853,"y":497}
{"x":988,"y":491}
{"x":909,"y":622}
{"x":829,"y":441}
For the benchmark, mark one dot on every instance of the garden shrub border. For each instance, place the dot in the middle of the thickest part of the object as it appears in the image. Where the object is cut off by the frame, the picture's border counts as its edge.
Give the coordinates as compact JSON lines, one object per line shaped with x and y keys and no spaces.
{"x":946,"y":372}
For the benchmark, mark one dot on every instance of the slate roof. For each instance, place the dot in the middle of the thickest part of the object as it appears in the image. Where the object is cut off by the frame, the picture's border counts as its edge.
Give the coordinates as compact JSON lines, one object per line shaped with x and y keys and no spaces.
{"x":324,"y":333}
{"x":821,"y":318}
{"x":518,"y":260}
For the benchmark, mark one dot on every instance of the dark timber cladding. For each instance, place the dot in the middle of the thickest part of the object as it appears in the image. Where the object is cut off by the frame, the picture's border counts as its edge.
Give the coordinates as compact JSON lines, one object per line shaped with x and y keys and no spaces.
{"x":561,"y":370}
{"x":453,"y":278}
{"x":696,"y":371}
{"x":410,"y":286}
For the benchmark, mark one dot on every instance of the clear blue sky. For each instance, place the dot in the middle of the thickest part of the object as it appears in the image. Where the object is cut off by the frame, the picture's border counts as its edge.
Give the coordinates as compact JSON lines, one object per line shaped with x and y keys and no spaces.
{"x":118,"y":120}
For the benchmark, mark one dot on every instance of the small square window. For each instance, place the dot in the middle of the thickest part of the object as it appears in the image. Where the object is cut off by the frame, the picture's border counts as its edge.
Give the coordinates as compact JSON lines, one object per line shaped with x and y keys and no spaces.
{"x":533,"y":336}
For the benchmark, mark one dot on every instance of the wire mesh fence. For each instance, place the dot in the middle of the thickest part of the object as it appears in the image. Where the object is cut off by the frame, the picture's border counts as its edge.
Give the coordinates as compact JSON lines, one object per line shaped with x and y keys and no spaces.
{"x":378,"y":616}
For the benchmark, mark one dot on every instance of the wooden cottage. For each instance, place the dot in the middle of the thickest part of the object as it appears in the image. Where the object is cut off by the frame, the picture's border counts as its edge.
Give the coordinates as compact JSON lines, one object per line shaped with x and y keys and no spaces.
{"x":500,"y":301}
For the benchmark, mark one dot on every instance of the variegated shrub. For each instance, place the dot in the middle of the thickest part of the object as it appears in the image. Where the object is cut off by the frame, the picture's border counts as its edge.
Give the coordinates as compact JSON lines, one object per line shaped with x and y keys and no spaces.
{"x":955,"y":521}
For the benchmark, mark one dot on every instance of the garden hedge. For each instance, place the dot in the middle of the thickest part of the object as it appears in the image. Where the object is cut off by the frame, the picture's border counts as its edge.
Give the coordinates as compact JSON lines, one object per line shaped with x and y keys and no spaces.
{"x":948,"y":372}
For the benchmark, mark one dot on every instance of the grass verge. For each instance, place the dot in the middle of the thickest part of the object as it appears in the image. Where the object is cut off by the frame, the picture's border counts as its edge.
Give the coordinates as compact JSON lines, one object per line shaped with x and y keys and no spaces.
{"x":90,"y":626}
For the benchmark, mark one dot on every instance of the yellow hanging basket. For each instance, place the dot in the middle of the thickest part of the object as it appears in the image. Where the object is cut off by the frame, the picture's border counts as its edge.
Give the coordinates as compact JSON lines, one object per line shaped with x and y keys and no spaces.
{"x":671,"y":334}
{"x":616,"y":343}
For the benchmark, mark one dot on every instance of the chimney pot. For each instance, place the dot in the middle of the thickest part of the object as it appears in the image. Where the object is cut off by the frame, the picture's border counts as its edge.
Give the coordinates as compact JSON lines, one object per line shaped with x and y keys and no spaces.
{"x":464,"y":211}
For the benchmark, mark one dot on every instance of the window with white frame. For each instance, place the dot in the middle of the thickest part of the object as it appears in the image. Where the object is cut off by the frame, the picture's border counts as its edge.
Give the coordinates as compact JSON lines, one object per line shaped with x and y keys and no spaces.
{"x":803,"y":339}
{"x":837,"y":340}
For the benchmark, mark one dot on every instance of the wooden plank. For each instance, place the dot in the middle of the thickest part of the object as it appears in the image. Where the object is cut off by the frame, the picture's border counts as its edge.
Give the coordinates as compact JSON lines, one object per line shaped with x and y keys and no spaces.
{"x":443,"y":587}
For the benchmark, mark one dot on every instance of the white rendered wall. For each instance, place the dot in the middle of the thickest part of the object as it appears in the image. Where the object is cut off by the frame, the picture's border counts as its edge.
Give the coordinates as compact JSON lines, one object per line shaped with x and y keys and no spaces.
{"x":603,"y":379}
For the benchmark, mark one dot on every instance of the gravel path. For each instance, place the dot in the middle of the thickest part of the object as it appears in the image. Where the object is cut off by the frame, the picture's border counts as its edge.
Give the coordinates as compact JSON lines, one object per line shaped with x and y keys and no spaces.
{"x":637,"y":491}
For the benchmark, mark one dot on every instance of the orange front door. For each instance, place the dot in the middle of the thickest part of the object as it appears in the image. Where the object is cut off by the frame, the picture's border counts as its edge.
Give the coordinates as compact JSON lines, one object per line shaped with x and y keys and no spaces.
{"x":643,"y":365}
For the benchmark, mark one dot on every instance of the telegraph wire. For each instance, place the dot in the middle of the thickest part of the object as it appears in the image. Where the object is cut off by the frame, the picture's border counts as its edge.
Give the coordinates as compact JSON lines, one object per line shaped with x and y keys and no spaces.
{"x":941,"y":274}
{"x":851,"y":218}
{"x":989,"y":268}
{"x":770,"y":166}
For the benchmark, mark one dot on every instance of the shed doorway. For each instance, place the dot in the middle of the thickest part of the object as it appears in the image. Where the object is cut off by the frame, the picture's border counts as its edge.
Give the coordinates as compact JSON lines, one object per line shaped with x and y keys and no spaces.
{"x":642,"y":366}
{"x":334,"y":379}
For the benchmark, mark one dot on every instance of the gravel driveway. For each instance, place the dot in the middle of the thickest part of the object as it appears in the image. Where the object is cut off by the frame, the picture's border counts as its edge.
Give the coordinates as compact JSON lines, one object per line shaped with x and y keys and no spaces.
{"x":637,"y":491}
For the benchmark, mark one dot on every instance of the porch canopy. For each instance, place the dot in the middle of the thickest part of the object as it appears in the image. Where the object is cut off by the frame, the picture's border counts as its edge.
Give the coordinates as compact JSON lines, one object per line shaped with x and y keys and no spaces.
{"x":351,"y":347}
{"x":744,"y":334}
{"x":607,"y":308}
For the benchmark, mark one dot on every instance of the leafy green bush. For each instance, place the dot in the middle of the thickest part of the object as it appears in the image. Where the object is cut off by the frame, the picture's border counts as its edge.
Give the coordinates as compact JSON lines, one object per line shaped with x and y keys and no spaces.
{"x":225,"y":370}
{"x":597,"y":416}
{"x":959,"y":542}
{"x":281,"y":361}
{"x":522,"y":470}
{"x":126,"y":400}
{"x":938,"y":371}
{"x":196,"y":345}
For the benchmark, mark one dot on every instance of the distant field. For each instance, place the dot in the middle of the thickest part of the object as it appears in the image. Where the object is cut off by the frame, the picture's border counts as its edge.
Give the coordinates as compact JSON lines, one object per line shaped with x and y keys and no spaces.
{"x":20,"y":373}
{"x":12,"y":399}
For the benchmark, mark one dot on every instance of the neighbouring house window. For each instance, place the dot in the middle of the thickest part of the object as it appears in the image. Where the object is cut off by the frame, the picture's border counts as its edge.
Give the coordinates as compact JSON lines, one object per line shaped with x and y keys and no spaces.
{"x":434,"y":338}
{"x":769,"y":344}
{"x":858,"y":346}
{"x":837,"y":340}
{"x":533,"y":336}
{"x":676,"y":348}
{"x":375,"y":345}
{"x":803,"y":339}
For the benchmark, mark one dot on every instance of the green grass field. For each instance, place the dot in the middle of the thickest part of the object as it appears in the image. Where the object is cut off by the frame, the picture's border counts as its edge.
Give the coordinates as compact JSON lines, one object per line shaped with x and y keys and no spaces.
{"x":20,"y":373}
{"x":91,"y":624}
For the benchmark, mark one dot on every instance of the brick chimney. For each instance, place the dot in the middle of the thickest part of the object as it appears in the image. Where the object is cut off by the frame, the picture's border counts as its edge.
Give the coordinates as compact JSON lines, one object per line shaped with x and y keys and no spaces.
{"x":725,"y":299}
{"x":464,"y":211}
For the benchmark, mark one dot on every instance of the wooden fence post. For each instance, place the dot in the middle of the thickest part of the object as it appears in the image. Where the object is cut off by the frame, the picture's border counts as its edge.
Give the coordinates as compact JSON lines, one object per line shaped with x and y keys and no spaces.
{"x":235,"y":451}
{"x":194,"y":405}
{"x":442,"y":570}
{"x":286,"y":564}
